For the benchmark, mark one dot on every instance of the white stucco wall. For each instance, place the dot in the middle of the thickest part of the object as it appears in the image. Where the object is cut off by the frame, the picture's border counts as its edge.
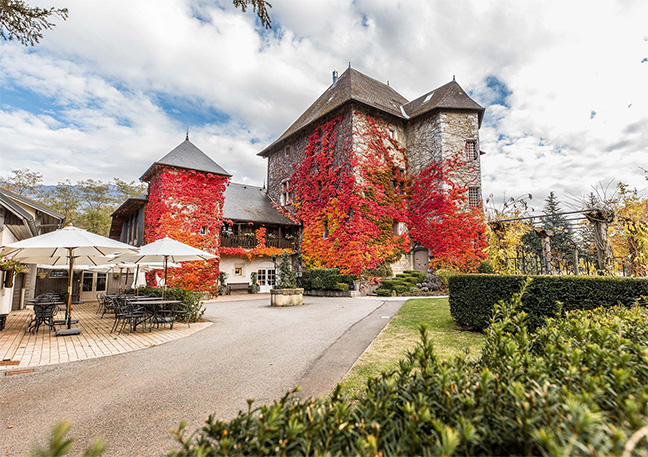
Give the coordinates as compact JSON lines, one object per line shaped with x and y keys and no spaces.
{"x":6,"y":294}
{"x":228,"y":264}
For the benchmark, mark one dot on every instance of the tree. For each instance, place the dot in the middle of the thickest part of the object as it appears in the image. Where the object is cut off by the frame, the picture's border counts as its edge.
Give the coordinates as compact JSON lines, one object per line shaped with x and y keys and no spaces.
{"x":23,"y":182}
{"x":260,"y":7}
{"x":287,"y":277}
{"x":64,"y":198}
{"x":24,"y":23}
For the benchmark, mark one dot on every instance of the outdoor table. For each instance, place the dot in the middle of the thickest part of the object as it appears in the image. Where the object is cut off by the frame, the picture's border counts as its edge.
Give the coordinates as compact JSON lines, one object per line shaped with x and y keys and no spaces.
{"x":153,"y":308}
{"x":44,"y":314}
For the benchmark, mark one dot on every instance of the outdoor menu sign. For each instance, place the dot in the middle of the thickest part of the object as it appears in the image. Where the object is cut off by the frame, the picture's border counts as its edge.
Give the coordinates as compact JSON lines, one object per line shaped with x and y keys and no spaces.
{"x":58,"y":274}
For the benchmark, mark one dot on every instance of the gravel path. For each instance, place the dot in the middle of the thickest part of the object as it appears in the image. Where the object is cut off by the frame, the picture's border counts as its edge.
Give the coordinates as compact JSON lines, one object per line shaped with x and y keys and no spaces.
{"x":133,"y":399}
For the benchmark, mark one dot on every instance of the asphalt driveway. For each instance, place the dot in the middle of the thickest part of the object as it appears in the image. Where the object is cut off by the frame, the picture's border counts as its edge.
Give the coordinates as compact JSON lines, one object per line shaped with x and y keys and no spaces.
{"x":133,"y":399}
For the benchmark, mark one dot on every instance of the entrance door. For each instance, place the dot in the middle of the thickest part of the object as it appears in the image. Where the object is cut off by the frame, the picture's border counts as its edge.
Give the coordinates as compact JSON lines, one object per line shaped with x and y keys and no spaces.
{"x":93,"y":282}
{"x":421,"y":261}
{"x":266,"y":278}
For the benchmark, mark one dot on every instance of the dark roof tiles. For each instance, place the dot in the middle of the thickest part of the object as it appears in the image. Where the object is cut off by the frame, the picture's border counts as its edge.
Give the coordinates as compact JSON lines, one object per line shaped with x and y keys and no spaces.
{"x":356,"y":86}
{"x":250,"y":203}
{"x":187,"y":155}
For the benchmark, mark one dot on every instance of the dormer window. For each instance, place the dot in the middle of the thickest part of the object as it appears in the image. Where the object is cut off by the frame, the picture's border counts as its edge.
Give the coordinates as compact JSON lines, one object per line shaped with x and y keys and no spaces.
{"x":472,"y":152}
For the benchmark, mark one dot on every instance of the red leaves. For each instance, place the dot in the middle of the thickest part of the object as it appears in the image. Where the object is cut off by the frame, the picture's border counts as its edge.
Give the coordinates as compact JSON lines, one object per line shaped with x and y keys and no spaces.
{"x":443,"y":222}
{"x":187,"y":206}
{"x":347,"y":201}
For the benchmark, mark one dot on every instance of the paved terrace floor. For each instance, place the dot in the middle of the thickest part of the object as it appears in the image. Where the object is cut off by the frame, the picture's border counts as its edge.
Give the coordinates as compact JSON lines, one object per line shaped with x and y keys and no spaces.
{"x":252,"y":350}
{"x":20,"y":350}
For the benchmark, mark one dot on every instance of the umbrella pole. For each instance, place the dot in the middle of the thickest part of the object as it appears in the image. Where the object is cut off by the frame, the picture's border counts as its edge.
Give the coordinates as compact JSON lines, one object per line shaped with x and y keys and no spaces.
{"x":69,"y":297}
{"x":166,"y":258}
{"x":136,"y":277}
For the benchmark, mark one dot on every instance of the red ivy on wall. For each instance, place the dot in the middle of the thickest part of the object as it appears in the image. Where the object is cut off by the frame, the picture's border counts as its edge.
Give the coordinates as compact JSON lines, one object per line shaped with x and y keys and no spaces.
{"x":261,"y":249}
{"x":441,"y":219}
{"x":187,"y":206}
{"x":349,"y":205}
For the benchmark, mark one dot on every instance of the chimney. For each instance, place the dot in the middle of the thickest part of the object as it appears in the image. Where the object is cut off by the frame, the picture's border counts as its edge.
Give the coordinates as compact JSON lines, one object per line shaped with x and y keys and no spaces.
{"x":335,"y":76}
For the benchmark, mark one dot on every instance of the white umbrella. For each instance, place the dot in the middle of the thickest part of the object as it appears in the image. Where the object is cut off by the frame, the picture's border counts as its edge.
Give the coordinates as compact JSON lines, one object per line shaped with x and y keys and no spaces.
{"x":165,"y":250}
{"x":66,"y":247}
{"x":132,"y":267}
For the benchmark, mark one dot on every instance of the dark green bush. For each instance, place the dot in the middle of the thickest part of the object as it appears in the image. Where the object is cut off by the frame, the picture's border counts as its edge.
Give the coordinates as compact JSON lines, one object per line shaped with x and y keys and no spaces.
{"x":576,"y":387}
{"x":325,"y":279}
{"x":342,"y":286}
{"x":486,"y":267}
{"x":191,"y":299}
{"x":384,"y":292}
{"x":472,"y":297}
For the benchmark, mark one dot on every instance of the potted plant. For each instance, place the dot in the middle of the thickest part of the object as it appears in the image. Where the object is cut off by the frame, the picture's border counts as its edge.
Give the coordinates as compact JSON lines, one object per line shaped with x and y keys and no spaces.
{"x":286,"y":292}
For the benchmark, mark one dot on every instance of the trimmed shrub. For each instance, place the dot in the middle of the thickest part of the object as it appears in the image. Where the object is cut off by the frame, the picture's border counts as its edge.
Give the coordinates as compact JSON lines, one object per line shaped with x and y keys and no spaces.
{"x":325,"y":279}
{"x":444,"y":275}
{"x":486,"y":267}
{"x":576,"y":387}
{"x":342,"y":286}
{"x":473,"y":297}
{"x":384,"y":292}
{"x":191,"y":299}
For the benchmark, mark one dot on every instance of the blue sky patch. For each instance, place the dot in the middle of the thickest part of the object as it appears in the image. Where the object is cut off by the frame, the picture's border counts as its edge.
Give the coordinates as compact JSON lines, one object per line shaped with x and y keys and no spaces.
{"x":190,"y":112}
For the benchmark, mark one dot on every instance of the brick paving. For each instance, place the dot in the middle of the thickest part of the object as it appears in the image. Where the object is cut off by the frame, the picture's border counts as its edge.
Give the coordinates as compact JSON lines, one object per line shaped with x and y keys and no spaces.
{"x":20,"y":349}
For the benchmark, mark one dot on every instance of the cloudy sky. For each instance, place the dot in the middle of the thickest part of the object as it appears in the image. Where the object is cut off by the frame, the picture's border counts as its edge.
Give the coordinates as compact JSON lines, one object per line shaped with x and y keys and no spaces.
{"x":113,"y":88}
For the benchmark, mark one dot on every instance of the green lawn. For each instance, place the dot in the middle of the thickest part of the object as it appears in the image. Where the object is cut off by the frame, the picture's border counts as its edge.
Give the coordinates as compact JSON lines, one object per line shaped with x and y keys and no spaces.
{"x":402,"y":334}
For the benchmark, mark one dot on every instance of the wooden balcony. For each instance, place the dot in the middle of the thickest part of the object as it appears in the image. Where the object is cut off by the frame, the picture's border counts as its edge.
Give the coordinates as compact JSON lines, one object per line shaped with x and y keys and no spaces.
{"x":250,"y":242}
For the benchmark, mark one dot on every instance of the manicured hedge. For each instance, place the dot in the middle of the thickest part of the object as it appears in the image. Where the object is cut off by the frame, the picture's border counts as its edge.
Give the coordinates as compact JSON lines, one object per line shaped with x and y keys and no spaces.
{"x":325,"y":279}
{"x":401,"y":283}
{"x":472,"y":297}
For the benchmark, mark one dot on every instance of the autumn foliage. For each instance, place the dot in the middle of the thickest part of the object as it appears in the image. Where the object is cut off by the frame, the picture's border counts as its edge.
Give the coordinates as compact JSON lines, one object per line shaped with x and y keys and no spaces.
{"x":441,"y":219}
{"x":187,"y":206}
{"x":349,"y":202}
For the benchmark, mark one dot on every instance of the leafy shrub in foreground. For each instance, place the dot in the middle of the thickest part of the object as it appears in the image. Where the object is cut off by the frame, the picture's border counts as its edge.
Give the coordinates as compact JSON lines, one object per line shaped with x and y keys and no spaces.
{"x":473,"y":297}
{"x":575,"y":387}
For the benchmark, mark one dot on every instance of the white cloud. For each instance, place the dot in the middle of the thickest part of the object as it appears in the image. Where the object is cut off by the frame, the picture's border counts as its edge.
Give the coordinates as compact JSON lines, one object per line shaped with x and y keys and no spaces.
{"x":103,"y":79}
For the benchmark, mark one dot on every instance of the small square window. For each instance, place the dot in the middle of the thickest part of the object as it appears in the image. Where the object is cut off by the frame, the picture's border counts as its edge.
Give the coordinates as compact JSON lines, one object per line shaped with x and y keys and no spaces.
{"x":238,"y":271}
{"x":204,"y":230}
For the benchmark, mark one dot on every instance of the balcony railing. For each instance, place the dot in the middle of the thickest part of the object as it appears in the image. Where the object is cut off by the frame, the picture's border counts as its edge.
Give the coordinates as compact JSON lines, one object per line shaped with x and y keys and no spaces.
{"x":250,"y":242}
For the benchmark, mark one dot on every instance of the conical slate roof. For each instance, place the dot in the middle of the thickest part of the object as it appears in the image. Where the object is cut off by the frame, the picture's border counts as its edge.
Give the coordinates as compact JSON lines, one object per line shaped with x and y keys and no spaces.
{"x":448,"y":96}
{"x":187,"y":155}
{"x":356,"y":86}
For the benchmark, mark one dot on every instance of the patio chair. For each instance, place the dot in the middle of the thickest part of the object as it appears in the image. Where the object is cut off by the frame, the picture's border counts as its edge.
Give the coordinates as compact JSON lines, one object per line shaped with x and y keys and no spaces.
{"x":108,"y":305}
{"x":43,"y":314}
{"x":127,"y":312}
{"x":181,"y":311}
{"x":101,"y":298}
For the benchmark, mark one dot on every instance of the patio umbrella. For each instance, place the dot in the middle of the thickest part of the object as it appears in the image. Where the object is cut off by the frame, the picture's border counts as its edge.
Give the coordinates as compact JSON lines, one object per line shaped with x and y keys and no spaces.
{"x":165,"y":250}
{"x":65,"y":247}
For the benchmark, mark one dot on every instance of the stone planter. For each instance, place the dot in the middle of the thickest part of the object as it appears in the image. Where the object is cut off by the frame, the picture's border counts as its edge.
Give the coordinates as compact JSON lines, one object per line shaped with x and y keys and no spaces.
{"x":286,"y":297}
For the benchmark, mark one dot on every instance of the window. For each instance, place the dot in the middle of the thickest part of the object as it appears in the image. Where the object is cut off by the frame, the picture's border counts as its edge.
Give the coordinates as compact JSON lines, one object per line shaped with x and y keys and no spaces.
{"x":101,"y":282}
{"x":238,"y":271}
{"x":285,"y":198}
{"x":325,"y":235}
{"x":392,"y":133}
{"x":399,"y":228}
{"x":204,"y":230}
{"x":474,"y":196}
{"x":472,"y":152}
{"x":87,"y":281}
{"x":271,"y":277}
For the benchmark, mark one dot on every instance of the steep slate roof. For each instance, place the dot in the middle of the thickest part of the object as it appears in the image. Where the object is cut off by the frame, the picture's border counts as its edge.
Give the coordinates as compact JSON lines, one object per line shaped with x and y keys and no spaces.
{"x":250,"y":203}
{"x":187,"y":155}
{"x":131,"y":203}
{"x":356,"y":86}
{"x":448,"y":96}
{"x":351,"y":85}
{"x":9,"y":199}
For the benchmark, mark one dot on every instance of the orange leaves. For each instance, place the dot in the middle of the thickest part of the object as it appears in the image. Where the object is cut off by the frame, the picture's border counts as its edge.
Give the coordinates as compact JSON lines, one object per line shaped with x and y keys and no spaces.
{"x":349,"y":202}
